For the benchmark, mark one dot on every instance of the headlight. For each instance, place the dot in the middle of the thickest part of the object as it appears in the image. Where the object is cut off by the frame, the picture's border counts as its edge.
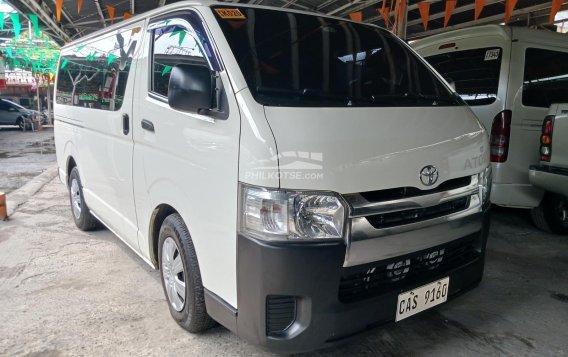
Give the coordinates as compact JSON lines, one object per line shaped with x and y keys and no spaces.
{"x":484,"y":179}
{"x":291,"y":215}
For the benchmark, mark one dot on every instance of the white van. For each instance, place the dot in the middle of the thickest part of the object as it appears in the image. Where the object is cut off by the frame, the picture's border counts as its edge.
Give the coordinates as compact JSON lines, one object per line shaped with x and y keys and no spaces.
{"x":551,"y":174}
{"x":296,"y":178}
{"x":509,"y":76}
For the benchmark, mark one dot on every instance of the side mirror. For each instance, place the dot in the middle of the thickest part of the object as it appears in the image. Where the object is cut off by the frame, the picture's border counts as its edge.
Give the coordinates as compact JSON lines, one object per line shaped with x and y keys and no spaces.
{"x":11,"y":109}
{"x":191,"y":88}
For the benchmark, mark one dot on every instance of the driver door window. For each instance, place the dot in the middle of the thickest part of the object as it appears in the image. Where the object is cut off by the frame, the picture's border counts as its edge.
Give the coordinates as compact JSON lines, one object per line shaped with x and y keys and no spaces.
{"x":172,"y":45}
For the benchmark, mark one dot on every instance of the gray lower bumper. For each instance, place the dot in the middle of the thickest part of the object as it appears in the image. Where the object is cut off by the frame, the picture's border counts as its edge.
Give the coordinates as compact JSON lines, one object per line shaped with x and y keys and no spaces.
{"x":550,"y":178}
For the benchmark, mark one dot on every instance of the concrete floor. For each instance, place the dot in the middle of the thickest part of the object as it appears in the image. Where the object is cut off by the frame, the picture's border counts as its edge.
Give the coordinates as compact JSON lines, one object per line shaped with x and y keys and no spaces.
{"x":65,"y":292}
{"x":23,"y":155}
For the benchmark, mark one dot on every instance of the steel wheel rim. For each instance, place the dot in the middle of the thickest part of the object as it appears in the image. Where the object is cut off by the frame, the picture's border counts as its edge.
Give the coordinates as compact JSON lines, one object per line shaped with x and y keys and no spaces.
{"x":75,"y":198}
{"x":173,"y":273}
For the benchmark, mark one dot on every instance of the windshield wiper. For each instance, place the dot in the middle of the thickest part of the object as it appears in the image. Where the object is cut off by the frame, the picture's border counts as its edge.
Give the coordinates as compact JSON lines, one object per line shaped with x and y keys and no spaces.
{"x":433,"y":99}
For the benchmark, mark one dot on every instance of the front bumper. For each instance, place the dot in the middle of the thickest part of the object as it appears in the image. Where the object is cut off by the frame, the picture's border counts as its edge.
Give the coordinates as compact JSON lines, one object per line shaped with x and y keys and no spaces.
{"x":550,"y":178}
{"x":309,"y":275}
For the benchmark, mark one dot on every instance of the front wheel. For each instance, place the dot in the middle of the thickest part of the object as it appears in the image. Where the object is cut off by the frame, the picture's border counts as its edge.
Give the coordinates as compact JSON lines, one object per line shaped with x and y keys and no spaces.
{"x":552,"y":214}
{"x":20,"y":123}
{"x":181,"y":278}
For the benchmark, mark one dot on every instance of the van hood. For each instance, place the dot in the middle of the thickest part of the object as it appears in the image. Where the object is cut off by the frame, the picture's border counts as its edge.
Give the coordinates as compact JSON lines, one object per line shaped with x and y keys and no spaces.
{"x":350,"y":150}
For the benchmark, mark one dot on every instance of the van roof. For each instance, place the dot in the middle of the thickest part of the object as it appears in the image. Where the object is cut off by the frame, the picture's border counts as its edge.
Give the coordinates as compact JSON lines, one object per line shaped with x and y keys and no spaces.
{"x":184,"y":4}
{"x":506,"y":32}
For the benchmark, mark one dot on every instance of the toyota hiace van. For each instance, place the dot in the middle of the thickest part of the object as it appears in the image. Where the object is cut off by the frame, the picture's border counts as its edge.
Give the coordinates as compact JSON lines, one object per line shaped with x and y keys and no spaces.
{"x":296,"y":178}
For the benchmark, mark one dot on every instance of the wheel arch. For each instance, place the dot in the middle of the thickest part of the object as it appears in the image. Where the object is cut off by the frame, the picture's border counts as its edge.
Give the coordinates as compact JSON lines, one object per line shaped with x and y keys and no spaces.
{"x":158,"y":216}
{"x":70,"y":165}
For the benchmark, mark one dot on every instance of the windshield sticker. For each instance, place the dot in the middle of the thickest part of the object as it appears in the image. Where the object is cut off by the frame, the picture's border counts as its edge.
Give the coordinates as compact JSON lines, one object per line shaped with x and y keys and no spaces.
{"x":491,"y":55}
{"x":230,"y":14}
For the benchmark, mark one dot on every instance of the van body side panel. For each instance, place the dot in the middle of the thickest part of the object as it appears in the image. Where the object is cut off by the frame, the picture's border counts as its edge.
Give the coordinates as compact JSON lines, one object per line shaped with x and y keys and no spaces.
{"x":104,"y":148}
{"x":189,"y":162}
{"x":258,"y":161}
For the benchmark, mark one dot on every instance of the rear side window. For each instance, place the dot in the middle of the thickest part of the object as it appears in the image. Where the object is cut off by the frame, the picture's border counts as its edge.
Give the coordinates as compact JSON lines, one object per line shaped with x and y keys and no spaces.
{"x":545,"y":78}
{"x":94,"y":75}
{"x":475,"y":73}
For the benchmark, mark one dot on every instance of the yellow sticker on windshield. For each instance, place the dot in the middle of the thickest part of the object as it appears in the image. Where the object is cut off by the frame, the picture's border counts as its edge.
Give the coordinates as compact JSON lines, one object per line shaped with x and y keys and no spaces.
{"x":230,"y":14}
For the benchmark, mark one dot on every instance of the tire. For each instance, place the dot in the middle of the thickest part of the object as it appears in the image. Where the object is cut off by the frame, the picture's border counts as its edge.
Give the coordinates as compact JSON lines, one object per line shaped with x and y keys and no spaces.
{"x":83,"y":218}
{"x":188,"y":310}
{"x":20,"y":123}
{"x":552,"y":214}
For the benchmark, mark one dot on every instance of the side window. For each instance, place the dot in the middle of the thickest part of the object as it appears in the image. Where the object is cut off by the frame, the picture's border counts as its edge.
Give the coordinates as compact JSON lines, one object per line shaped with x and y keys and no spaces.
{"x":94,"y":75}
{"x":25,"y":102}
{"x":172,"y":45}
{"x":3,"y":105}
{"x":545,"y":78}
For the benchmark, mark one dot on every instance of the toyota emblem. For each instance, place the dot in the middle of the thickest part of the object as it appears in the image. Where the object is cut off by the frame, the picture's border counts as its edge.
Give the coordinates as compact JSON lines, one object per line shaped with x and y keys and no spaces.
{"x":429,"y":175}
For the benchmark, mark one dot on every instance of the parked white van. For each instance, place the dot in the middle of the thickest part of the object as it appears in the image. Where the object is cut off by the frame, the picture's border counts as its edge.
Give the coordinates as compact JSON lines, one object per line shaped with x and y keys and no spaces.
{"x":296,"y":178}
{"x":509,"y":76}
{"x":551,"y":174}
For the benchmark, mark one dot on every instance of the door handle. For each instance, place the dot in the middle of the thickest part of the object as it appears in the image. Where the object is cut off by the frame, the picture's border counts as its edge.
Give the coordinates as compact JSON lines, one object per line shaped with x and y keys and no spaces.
{"x":147,"y":125}
{"x":125,"y":124}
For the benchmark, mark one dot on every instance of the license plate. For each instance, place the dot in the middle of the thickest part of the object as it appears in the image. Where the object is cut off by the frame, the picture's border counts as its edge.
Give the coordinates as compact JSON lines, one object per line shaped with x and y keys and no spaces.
{"x":422,"y":298}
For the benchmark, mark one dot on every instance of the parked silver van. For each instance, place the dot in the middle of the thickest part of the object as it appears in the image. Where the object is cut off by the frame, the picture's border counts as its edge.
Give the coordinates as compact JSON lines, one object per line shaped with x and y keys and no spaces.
{"x":509,"y":76}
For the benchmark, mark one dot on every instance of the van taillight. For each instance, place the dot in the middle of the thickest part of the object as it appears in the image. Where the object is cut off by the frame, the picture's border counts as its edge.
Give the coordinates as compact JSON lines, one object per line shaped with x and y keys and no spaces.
{"x":500,"y":135}
{"x":546,"y":138}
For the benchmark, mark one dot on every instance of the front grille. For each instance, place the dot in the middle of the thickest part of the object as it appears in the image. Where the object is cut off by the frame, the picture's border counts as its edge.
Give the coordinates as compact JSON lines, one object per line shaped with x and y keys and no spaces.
{"x":280,"y":313}
{"x":405,"y":192}
{"x":377,"y":278}
{"x":386,"y":220}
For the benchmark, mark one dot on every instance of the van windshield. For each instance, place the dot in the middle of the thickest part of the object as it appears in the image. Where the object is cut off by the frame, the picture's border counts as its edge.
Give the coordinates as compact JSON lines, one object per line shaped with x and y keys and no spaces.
{"x":475,"y":73}
{"x":298,"y":60}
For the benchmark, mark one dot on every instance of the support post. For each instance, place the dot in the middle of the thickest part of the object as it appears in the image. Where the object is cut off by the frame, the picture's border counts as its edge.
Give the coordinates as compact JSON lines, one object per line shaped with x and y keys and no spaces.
{"x":402,"y":23}
{"x":49,"y":113}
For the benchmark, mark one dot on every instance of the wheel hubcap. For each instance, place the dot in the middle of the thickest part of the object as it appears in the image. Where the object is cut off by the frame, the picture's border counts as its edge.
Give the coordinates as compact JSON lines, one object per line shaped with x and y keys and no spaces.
{"x":173,"y":273}
{"x":75,"y":198}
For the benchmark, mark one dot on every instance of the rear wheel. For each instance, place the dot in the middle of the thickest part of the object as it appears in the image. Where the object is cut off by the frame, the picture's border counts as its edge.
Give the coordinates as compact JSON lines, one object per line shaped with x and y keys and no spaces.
{"x":83,"y":218}
{"x":181,"y":278}
{"x":552,"y":214}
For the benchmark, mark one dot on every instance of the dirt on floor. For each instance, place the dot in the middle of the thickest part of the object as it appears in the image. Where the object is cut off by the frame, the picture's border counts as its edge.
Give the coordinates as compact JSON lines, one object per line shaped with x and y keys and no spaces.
{"x":68,"y":293}
{"x":24,"y":155}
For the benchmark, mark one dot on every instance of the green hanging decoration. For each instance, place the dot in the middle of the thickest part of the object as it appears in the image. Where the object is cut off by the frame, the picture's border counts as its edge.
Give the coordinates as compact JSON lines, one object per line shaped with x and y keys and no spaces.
{"x":64,"y":64}
{"x":111,"y":58}
{"x":15,"y":17}
{"x":9,"y":52}
{"x":166,"y":70}
{"x":1,"y":21}
{"x":35,"y":24}
{"x":181,"y":34}
{"x":91,"y":56}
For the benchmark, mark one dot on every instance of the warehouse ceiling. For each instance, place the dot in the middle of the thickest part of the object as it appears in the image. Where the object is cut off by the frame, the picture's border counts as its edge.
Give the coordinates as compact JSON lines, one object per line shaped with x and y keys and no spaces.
{"x":94,"y":13}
